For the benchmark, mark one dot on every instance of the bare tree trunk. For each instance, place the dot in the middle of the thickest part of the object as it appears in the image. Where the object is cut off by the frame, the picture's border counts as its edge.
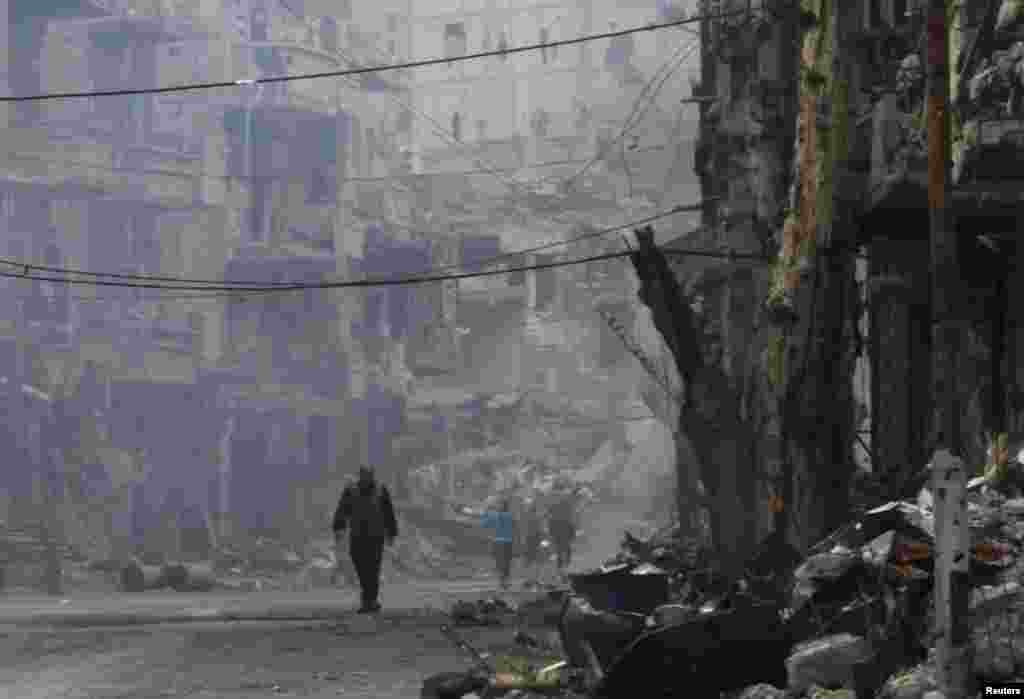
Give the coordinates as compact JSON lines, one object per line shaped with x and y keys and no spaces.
{"x":710,"y":415}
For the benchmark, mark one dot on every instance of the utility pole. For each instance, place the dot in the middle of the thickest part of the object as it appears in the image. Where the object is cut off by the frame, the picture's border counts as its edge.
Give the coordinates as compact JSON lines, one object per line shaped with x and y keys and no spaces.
{"x":951,"y":597}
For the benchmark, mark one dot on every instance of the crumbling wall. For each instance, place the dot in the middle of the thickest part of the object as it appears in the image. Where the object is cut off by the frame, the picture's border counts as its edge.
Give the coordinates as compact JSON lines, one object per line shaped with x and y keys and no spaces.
{"x":811,"y":357}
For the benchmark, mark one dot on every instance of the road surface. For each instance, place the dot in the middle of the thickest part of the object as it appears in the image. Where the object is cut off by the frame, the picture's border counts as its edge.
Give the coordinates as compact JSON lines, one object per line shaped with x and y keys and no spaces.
{"x":380,"y":659}
{"x":123,"y":646}
{"x":346,"y":655}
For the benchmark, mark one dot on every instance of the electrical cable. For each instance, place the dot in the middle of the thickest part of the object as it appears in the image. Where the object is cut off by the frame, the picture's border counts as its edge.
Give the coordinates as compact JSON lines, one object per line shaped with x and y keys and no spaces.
{"x":515,"y":186}
{"x":479,"y":263}
{"x":365,"y":70}
{"x":667,"y":68}
{"x":315,"y":285}
{"x":440,"y":130}
{"x":305,"y":175}
{"x":405,"y":281}
{"x":242,"y":285}
{"x":631,"y":122}
{"x":519,"y":188}
{"x":511,"y":184}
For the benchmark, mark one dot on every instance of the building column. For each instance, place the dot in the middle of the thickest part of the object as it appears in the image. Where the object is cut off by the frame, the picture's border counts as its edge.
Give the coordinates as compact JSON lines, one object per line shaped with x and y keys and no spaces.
{"x":224,"y":529}
{"x":531,"y":283}
{"x":900,"y":350}
{"x":1014,"y":372}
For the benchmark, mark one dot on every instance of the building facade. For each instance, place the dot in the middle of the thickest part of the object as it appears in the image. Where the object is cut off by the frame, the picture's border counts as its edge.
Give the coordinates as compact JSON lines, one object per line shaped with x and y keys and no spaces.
{"x":524,"y":150}
{"x":251,"y":184}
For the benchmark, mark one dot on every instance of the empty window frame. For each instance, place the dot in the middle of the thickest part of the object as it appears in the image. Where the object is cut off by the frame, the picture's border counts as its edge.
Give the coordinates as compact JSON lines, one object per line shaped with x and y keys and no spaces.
{"x":454,"y":40}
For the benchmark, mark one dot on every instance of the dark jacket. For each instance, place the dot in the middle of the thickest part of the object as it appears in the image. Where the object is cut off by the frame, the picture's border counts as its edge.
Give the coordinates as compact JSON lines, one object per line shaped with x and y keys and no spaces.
{"x":366,"y":514}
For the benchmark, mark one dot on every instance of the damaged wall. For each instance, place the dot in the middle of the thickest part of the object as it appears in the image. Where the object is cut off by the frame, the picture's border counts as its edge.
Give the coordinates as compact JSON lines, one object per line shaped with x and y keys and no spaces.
{"x":815,"y":282}
{"x":779,"y":333}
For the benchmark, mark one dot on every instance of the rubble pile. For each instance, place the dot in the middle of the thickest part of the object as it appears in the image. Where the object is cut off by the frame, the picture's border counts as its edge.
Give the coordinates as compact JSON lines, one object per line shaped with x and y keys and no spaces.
{"x":266,"y":563}
{"x":486,"y":612}
{"x":850,"y":617}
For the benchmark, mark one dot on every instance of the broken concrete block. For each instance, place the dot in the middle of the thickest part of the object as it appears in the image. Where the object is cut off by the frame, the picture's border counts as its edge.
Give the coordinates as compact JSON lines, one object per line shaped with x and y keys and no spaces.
{"x":826,"y":662}
{"x":827,"y":566}
{"x":821,"y":693}
{"x":668,"y":614}
{"x":908,"y":685}
{"x":762,"y":691}
{"x":994,"y":658}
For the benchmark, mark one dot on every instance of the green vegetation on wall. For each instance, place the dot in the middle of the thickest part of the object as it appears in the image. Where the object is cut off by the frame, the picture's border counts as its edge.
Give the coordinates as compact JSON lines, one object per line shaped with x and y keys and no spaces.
{"x":775,"y":360}
{"x":953,"y":26}
{"x":816,"y":80}
{"x":781,"y":267}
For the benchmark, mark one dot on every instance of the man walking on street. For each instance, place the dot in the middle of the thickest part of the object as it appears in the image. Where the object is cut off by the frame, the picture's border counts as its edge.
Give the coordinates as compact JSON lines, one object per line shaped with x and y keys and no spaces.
{"x":365,"y":509}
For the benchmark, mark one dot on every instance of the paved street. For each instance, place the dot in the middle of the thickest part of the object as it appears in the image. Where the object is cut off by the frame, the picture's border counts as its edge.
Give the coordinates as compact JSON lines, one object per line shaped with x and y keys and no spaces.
{"x":383,"y":658}
{"x":339,"y":654}
{"x":154,"y":607}
{"x":240,"y":645}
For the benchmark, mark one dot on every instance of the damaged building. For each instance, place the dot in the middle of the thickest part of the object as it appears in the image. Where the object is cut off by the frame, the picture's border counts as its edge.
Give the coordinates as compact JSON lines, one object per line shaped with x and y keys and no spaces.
{"x":812,"y":134}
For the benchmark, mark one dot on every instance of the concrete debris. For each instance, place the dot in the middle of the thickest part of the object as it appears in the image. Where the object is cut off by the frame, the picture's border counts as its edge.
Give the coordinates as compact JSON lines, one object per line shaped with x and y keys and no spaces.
{"x":826,"y":662}
{"x":637,"y":589}
{"x":822,"y":693}
{"x":762,"y":691}
{"x":912,"y":684}
{"x":655,"y":611}
{"x":486,"y":612}
{"x":669,"y":614}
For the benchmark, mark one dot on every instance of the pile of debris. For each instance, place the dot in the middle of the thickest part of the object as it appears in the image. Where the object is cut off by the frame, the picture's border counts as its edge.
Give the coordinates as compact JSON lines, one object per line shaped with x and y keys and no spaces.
{"x":851,"y":617}
{"x":486,"y":612}
{"x":23,"y":552}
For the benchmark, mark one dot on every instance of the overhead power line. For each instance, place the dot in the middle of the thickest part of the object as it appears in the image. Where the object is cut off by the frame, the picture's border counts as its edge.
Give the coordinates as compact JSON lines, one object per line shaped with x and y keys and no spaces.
{"x":677,"y":57}
{"x":636,"y":114}
{"x":365,"y":70}
{"x":649,"y":92}
{"x":494,"y":171}
{"x":489,"y":167}
{"x":303,"y":175}
{"x":402,"y":281}
{"x":243,"y":285}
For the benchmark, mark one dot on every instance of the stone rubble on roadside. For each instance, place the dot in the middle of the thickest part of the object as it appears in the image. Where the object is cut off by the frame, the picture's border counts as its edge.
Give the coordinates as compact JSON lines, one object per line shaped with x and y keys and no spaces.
{"x":762,"y":691}
{"x":912,"y":684}
{"x":826,"y":662}
{"x":869,"y":581}
{"x":486,"y":612}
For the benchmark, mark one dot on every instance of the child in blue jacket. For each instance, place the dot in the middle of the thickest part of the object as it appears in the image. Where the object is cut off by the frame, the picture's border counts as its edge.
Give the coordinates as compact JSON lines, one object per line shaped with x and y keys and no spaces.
{"x":504,"y":526}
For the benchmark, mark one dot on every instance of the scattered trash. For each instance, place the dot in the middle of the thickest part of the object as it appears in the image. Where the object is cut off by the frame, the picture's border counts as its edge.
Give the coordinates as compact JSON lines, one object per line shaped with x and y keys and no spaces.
{"x":608,"y":633}
{"x":688,"y":658}
{"x":624,"y":587}
{"x":839,"y":621}
{"x":485,"y":612}
{"x":524,"y":639}
{"x":762,"y":691}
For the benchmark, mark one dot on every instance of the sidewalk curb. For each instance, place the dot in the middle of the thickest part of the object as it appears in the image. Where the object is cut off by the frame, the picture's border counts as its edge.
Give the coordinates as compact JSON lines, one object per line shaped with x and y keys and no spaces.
{"x":115,"y":619}
{"x":432,"y":609}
